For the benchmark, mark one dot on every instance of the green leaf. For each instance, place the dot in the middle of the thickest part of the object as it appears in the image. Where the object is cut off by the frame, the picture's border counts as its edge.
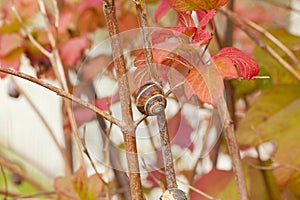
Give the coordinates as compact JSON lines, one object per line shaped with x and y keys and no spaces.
{"x":278,"y":74}
{"x":275,"y":117}
{"x":188,"y":5}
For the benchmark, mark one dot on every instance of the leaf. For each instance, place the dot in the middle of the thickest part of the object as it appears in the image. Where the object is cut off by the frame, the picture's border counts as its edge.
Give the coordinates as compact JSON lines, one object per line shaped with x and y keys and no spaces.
{"x":11,"y":60}
{"x":78,"y":186}
{"x":226,"y":68}
{"x":275,"y":117}
{"x":162,"y":9}
{"x":71,"y":50}
{"x":9,"y":42}
{"x":180,"y":131}
{"x":212,"y":183}
{"x":206,"y":84}
{"x":246,"y":65}
{"x":188,"y":5}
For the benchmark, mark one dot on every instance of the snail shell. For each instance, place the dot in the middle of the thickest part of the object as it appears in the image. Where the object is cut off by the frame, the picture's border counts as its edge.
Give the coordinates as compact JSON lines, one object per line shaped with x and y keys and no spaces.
{"x":150,"y":99}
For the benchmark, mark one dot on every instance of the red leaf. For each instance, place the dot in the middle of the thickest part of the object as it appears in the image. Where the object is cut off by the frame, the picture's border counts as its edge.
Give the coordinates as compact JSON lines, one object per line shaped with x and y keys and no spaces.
{"x":226,"y":68}
{"x":71,"y":50}
{"x":78,"y":186}
{"x":180,"y":131}
{"x":162,"y":9}
{"x":212,"y":183}
{"x":206,"y":83}
{"x":9,"y":42}
{"x":188,"y":5}
{"x":185,"y":19}
{"x":246,"y":65}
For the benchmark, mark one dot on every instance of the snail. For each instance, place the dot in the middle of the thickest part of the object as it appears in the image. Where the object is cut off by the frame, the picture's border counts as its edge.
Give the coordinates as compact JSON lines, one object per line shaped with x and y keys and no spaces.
{"x":150,"y":99}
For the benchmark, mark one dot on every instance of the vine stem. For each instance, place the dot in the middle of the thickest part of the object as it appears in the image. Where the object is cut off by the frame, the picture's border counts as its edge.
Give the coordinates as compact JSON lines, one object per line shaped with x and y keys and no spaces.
{"x":125,"y":100}
{"x":233,"y":149}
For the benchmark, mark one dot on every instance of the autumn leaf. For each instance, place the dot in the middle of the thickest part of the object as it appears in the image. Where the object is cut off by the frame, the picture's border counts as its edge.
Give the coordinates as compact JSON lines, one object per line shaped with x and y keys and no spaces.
{"x":9,"y":42}
{"x":212,"y":183}
{"x":180,"y":131}
{"x":206,"y":83}
{"x":71,"y":50}
{"x":188,"y":5}
{"x":162,"y":9}
{"x":78,"y":186}
{"x":247,"y":67}
{"x":275,"y":117}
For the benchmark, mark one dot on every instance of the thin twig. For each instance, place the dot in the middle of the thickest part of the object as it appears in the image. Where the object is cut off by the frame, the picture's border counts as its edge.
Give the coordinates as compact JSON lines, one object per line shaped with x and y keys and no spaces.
{"x":46,"y":124}
{"x":281,"y":5}
{"x":29,"y":35}
{"x":125,"y":100}
{"x":166,"y":151}
{"x":62,"y":93}
{"x":144,"y":25}
{"x":263,"y":45}
{"x":191,"y":187}
{"x":4,"y":180}
{"x":41,"y":193}
{"x":15,"y":168}
{"x":233,"y":150}
{"x":268,"y":35}
{"x":85,"y":150}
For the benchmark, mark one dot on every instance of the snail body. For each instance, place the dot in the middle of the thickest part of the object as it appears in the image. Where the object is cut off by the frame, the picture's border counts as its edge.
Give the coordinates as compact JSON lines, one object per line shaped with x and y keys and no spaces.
{"x":150,"y":99}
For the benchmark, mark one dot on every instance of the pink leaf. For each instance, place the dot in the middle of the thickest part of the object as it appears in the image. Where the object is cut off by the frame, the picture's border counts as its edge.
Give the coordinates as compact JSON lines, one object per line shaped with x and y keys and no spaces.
{"x":246,"y":65}
{"x":188,"y":5}
{"x":226,"y":68}
{"x":9,"y":42}
{"x":185,"y":19}
{"x":162,"y":9}
{"x":206,"y":83}
{"x":71,"y":50}
{"x":180,"y":131}
{"x":205,"y":17}
{"x":212,"y":183}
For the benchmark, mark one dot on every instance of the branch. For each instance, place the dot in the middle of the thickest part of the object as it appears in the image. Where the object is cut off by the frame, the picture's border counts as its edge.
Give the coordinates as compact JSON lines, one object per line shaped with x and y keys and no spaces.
{"x":143,"y":22}
{"x":62,"y":93}
{"x":268,"y":35}
{"x":166,"y":151}
{"x":125,"y":100}
{"x":233,"y":150}
{"x":263,"y":45}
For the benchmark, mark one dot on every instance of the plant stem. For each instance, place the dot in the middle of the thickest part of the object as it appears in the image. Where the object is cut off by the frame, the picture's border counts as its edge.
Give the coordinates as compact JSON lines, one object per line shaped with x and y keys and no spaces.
{"x":47,"y":126}
{"x":62,"y":93}
{"x":125,"y":100}
{"x":143,"y":22}
{"x":233,"y":150}
{"x":166,"y":151}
